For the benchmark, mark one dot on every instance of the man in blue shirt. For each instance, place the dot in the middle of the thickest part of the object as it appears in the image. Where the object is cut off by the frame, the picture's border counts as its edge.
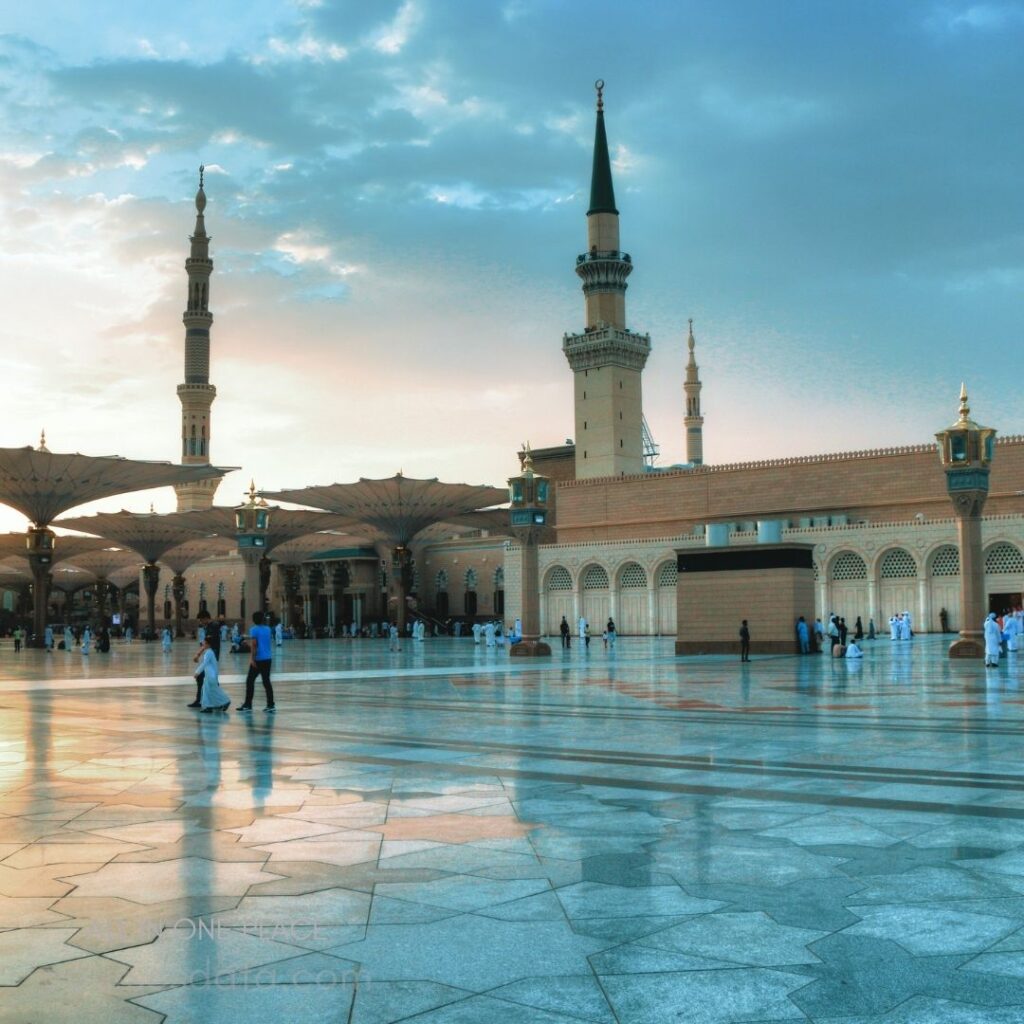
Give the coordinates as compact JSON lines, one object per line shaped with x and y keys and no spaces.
{"x":259,"y":662}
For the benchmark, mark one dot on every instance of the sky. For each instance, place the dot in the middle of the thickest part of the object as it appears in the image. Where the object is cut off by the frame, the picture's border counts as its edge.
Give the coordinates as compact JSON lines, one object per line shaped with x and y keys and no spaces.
{"x":397,"y":192}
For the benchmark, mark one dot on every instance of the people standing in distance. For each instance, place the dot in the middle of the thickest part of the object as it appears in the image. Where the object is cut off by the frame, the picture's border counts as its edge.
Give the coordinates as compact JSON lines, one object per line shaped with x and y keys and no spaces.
{"x":566,"y":633}
{"x":261,"y":651}
{"x":744,"y":641}
{"x":612,"y":634}
{"x":803,"y":634}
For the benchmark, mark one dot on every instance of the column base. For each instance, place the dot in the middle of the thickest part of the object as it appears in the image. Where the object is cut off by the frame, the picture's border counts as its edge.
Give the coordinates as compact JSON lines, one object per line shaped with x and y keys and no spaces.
{"x":530,"y":649}
{"x":967,"y":647}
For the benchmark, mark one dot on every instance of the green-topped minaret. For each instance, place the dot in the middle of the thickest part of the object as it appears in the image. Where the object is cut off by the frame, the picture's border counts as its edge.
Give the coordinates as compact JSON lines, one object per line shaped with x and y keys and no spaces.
{"x":607,"y":359}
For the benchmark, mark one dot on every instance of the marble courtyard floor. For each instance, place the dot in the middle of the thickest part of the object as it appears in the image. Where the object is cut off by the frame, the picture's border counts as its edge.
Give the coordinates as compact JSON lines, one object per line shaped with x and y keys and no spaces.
{"x":445,"y":837}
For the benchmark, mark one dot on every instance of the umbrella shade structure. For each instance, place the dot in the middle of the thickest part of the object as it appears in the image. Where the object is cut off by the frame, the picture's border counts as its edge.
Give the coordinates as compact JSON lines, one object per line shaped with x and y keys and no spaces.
{"x":42,"y":484}
{"x":102,"y":564}
{"x":13,"y":545}
{"x":181,"y":558}
{"x":285,"y":524}
{"x":69,"y":578}
{"x":147,"y":533}
{"x":303,"y":549}
{"x":396,"y":510}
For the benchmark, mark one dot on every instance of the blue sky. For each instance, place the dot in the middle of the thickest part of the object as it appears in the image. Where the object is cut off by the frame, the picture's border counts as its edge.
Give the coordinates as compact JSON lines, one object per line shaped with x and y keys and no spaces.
{"x":397,"y":192}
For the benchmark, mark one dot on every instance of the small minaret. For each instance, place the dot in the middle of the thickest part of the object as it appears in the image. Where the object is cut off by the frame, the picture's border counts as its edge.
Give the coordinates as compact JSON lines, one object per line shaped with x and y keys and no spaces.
{"x":607,"y":359}
{"x":197,"y":393}
{"x":693,"y":420}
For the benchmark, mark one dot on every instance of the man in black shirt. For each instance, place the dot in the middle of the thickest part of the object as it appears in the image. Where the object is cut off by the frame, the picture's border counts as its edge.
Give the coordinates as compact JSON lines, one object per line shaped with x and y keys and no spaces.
{"x":744,"y":642}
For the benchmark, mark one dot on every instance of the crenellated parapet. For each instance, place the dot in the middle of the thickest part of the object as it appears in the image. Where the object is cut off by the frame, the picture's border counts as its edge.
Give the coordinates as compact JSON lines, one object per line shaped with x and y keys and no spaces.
{"x":606,"y":346}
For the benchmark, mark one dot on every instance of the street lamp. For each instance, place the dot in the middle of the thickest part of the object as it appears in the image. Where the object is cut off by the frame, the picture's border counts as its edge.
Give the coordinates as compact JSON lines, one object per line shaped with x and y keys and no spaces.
{"x":252,"y":524}
{"x":529,"y":494}
{"x":966,"y":450}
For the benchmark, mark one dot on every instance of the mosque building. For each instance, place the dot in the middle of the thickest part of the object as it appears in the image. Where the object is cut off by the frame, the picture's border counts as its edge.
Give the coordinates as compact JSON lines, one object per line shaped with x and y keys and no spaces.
{"x":880,"y":521}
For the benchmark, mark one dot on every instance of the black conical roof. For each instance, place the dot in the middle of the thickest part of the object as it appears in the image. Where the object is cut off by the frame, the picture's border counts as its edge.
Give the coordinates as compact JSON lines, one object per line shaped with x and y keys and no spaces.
{"x":602,"y":194}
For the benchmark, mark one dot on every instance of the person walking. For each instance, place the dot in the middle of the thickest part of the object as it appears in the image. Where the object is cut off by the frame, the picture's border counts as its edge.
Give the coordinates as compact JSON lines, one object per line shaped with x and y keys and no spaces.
{"x":48,"y":638}
{"x":17,"y":639}
{"x":858,"y":630}
{"x":211,"y":643}
{"x":212,"y":695}
{"x":843,"y":631}
{"x":566,"y":633}
{"x":261,"y":651}
{"x":744,"y":641}
{"x":612,"y":635}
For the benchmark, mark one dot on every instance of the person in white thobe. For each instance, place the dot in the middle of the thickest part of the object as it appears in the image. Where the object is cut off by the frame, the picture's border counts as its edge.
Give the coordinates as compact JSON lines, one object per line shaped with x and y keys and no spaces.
{"x":48,"y":638}
{"x":582,"y":628}
{"x":894,"y":627}
{"x":279,"y":634}
{"x":213,"y":697}
{"x":393,"y":638}
{"x":1011,"y":628}
{"x":69,"y":638}
{"x":905,"y":631}
{"x":853,"y":651}
{"x":165,"y":640}
{"x":86,"y":640}
{"x":489,"y":634}
{"x":477,"y":630}
{"x":993,"y":640}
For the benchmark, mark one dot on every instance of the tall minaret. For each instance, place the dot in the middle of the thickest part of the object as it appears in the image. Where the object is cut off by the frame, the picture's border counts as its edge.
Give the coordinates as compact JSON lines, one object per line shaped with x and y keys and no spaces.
{"x":606,"y":359}
{"x":197,"y":393}
{"x":693,"y":420}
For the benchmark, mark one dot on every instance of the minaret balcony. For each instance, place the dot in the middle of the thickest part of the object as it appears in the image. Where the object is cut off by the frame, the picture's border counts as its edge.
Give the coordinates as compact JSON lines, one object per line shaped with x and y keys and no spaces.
{"x":603,"y":270}
{"x":605,"y":345}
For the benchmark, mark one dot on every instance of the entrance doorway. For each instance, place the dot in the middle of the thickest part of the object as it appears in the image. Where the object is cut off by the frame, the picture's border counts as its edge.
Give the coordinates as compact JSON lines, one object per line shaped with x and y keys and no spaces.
{"x":998,"y":603}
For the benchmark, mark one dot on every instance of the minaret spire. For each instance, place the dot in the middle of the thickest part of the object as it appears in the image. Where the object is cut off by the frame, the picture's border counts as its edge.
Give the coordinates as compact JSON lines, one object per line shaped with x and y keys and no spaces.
{"x":694,"y":420}
{"x":197,"y":393}
{"x":607,"y":358}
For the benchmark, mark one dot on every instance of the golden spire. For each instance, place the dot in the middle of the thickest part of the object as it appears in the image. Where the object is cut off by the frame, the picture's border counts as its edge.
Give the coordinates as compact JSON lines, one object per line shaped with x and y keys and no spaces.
{"x":42,"y":441}
{"x":527,"y":458}
{"x":965,"y":409}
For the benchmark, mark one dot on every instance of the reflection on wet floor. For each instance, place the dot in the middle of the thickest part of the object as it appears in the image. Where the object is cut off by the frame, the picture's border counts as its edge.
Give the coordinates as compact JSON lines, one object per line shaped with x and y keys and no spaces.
{"x":445,"y":836}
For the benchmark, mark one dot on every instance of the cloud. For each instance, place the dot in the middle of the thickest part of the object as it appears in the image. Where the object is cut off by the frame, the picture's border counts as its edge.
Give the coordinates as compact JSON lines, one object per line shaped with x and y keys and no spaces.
{"x":982,"y":18}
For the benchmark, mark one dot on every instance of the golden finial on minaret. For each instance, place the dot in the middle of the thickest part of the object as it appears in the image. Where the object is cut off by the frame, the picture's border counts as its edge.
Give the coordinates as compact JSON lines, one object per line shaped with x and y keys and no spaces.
{"x":527,"y":458}
{"x":965,"y":409}
{"x":42,"y":441}
{"x":690,"y":341}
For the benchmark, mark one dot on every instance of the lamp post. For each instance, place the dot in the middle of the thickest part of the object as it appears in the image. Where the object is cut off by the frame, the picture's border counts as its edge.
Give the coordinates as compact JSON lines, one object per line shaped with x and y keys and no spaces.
{"x":252,"y":523}
{"x":528,"y":496}
{"x":966,"y":451}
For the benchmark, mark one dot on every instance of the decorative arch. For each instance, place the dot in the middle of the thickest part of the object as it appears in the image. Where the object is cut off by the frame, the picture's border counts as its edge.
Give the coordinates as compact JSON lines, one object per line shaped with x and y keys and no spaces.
{"x":848,"y":565}
{"x":594,"y":577}
{"x":470,"y":579}
{"x":944,"y":561}
{"x":632,"y":576}
{"x":558,"y":578}
{"x":1003,"y":558}
{"x":667,"y":574}
{"x":441,"y":581}
{"x":897,"y":564}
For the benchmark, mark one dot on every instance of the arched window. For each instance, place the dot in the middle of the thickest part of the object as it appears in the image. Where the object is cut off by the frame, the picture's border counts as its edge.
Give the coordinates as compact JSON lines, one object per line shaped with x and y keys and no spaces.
{"x":850,"y":566}
{"x":668,"y":575}
{"x":946,"y":561}
{"x":441,"y":581}
{"x":470,"y":579}
{"x":1003,"y":558}
{"x":595,"y":578}
{"x":898,"y":564}
{"x":632,"y":577}
{"x":559,"y":578}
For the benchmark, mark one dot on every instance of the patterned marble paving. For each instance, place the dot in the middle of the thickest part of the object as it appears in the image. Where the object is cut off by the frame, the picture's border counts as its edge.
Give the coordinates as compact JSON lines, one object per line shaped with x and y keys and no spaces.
{"x":441,"y":836}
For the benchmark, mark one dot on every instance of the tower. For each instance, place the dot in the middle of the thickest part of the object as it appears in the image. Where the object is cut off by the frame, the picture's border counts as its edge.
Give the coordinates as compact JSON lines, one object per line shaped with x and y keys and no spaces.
{"x":197,"y":393}
{"x":693,"y":419}
{"x":607,"y":359}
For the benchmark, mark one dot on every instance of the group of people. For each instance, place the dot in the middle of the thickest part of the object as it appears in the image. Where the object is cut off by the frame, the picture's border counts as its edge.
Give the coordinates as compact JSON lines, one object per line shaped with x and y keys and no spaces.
{"x":841,"y":644}
{"x":901,"y":626}
{"x":608,"y":637}
{"x":1002,"y":633}
{"x":210,"y":695}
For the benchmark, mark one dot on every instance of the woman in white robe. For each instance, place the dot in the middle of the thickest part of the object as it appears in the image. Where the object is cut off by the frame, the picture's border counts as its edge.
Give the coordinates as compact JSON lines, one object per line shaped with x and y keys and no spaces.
{"x":993,"y":639}
{"x":213,"y":697}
